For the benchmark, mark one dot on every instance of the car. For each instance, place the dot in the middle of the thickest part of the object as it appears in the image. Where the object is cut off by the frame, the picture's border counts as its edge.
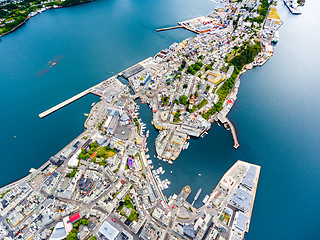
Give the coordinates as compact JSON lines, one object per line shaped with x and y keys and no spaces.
{"x":113,"y":220}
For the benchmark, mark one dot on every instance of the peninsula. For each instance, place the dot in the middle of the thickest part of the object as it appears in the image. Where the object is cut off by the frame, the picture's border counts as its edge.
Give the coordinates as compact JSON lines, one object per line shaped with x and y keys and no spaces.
{"x":103,"y":184}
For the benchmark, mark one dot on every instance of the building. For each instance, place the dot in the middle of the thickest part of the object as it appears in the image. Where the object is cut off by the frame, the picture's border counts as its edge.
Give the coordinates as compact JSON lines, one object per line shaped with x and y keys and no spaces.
{"x":241,"y":200}
{"x":85,"y":185}
{"x":241,"y":222}
{"x":59,"y":232}
{"x":108,"y":232}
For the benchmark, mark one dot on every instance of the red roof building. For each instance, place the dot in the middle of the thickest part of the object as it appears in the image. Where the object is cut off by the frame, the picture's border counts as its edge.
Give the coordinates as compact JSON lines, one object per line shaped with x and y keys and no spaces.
{"x":75,"y":217}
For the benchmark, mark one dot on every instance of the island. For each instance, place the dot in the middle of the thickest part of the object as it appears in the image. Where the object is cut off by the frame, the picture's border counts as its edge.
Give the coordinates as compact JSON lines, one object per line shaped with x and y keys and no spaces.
{"x":103,"y":184}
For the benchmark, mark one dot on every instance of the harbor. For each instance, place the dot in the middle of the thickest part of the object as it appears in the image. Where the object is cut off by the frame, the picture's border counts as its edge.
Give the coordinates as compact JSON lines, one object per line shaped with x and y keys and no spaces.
{"x":263,"y":158}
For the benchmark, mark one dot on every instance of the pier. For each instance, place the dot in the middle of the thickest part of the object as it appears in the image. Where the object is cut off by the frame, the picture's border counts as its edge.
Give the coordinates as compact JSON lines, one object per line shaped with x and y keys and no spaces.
{"x":234,"y":135}
{"x":168,"y":28}
{"x":293,"y":10}
{"x":64,"y":103}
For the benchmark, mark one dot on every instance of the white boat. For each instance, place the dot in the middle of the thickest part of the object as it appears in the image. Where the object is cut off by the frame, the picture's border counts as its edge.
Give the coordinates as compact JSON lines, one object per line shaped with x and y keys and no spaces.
{"x":205,"y":199}
{"x":199,"y":174}
{"x":93,"y":104}
{"x":170,"y":171}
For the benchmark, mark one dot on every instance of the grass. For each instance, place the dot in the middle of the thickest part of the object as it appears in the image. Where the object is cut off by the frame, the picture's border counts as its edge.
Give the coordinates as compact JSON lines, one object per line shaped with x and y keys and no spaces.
{"x":103,"y":153}
{"x":4,"y":193}
{"x":128,"y":204}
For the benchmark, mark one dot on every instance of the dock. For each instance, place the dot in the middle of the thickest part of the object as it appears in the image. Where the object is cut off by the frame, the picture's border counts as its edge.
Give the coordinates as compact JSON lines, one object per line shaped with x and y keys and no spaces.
{"x":234,"y":135}
{"x":180,"y":26}
{"x":196,"y":196}
{"x":223,"y":120}
{"x":293,"y":10}
{"x":64,"y":103}
{"x":167,"y":28}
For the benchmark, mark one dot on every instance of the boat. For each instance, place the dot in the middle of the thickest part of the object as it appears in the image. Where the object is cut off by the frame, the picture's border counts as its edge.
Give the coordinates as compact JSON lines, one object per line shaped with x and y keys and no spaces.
{"x":199,"y":174}
{"x":86,"y":114}
{"x":93,"y":104}
{"x":170,"y":171}
{"x":205,"y":199}
{"x":170,"y":162}
{"x":276,"y":37}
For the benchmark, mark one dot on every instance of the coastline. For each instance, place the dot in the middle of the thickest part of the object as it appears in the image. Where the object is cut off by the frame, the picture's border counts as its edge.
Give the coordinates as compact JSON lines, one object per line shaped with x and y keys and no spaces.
{"x":47,"y":8}
{"x":143,"y":148}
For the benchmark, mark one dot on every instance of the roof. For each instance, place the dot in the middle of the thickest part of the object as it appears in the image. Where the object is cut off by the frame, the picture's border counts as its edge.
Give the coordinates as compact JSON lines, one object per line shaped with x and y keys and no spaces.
{"x":241,"y":221}
{"x":75,"y":217}
{"x":189,"y":231}
{"x":108,"y":231}
{"x":242,"y":199}
{"x":59,"y":232}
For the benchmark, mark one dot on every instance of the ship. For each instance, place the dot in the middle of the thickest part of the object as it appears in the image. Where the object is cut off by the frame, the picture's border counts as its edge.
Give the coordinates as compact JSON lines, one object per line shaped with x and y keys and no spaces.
{"x":93,"y":104}
{"x":205,"y":199}
{"x":86,"y":114}
{"x":276,"y":37}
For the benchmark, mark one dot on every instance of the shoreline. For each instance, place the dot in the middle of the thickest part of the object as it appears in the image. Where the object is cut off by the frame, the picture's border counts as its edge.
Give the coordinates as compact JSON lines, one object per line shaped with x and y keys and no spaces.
{"x":48,"y":8}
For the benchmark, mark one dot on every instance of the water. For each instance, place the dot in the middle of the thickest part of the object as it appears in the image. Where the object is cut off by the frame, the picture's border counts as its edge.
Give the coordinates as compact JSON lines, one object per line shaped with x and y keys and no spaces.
{"x":276,"y":114}
{"x":92,"y":42}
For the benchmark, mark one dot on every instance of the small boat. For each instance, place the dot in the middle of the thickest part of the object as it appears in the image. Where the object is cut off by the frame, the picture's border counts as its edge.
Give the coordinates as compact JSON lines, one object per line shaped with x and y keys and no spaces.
{"x":170,"y":171}
{"x":199,"y":174}
{"x":86,"y":114}
{"x":93,"y":104}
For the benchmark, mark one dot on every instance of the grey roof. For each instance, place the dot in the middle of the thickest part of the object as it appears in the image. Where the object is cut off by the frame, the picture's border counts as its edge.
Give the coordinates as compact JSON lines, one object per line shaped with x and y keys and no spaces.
{"x":101,"y":141}
{"x":249,"y":178}
{"x":124,"y":117}
{"x":108,"y":231}
{"x":189,"y":231}
{"x":252,"y":170}
{"x":59,"y":232}
{"x":241,"y":222}
{"x":242,"y":199}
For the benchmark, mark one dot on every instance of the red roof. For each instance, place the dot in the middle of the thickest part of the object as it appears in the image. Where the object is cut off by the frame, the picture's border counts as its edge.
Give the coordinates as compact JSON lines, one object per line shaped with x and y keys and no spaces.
{"x":75,"y":217}
{"x":230,"y":101}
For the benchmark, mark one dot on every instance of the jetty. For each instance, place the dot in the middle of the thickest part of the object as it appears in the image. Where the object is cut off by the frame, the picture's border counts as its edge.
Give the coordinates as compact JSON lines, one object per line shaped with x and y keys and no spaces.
{"x":293,"y":10}
{"x":179,"y":26}
{"x":64,"y":103}
{"x":167,"y":28}
{"x":234,"y":135}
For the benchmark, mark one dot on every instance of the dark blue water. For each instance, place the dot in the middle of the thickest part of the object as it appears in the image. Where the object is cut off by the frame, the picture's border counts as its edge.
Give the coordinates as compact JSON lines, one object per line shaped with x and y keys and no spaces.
{"x":276,"y":114}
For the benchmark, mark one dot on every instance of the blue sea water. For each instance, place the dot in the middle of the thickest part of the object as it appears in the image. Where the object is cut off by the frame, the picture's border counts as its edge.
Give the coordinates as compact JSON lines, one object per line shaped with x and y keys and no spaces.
{"x":276,"y":114}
